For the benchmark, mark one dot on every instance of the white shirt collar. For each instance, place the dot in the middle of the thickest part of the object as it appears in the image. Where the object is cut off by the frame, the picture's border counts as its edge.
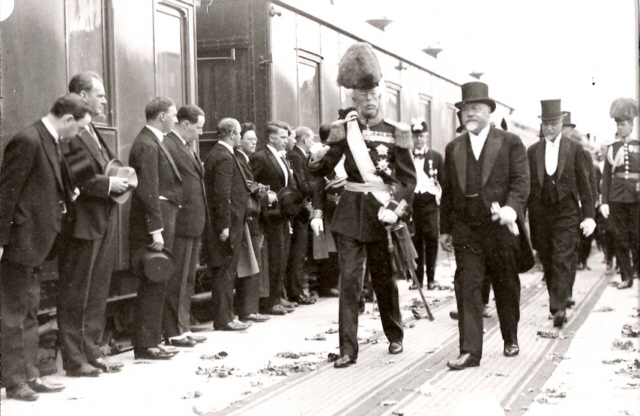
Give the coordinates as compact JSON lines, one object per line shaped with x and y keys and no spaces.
{"x":244,"y":154}
{"x":302,"y":150}
{"x":482,"y":136}
{"x":179,"y":137}
{"x":421,"y":151}
{"x":157,"y":132}
{"x":50,"y":129}
{"x":227,"y":145}
{"x":275,"y":152}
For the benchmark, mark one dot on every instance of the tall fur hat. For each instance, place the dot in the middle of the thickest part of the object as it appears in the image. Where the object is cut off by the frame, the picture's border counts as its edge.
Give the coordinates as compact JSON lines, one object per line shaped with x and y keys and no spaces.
{"x":623,"y":109}
{"x":359,"y":68}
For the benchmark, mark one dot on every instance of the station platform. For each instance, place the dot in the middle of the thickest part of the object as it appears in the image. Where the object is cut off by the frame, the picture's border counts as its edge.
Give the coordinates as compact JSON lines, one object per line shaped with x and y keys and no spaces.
{"x":280,"y":367}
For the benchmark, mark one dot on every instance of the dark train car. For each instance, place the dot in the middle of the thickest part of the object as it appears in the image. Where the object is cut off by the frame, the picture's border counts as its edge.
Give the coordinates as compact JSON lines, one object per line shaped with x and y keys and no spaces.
{"x":260,"y":60}
{"x":141,"y":48}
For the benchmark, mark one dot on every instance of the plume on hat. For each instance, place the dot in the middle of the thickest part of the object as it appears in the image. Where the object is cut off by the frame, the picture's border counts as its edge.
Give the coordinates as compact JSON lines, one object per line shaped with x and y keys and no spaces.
{"x":359,"y":67}
{"x":623,"y":109}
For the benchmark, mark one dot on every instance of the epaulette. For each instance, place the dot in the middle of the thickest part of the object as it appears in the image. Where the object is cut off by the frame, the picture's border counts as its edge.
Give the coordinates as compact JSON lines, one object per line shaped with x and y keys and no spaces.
{"x":337,"y":131}
{"x":403,"y":135}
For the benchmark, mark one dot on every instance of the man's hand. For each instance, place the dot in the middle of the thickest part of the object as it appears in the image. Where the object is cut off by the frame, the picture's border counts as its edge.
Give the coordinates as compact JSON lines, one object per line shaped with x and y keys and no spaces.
{"x":119,"y":185}
{"x":505,"y":214}
{"x":446,"y":242}
{"x":158,"y":241}
{"x":317,"y":225}
{"x":387,"y":216}
{"x":604,"y":209}
{"x":588,"y":226}
{"x":272,"y":197}
{"x":224,"y":235}
{"x":1,"y":251}
{"x":317,"y":151}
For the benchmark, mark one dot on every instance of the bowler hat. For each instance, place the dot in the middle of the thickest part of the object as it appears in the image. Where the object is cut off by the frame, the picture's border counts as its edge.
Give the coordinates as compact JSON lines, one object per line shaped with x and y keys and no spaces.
{"x":567,"y":120}
{"x":550,"y":110}
{"x":117,"y":169}
{"x":476,"y":92}
{"x":290,"y":201}
{"x":156,"y":266}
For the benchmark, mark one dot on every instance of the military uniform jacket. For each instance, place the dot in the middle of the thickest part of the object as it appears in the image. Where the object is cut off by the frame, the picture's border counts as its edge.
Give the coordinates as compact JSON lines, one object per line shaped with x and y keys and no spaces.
{"x":356,"y":215}
{"x":621,"y":172}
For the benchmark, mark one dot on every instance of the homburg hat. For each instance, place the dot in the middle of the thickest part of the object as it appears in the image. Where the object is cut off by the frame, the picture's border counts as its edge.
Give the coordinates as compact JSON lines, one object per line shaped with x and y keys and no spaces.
{"x":156,"y":266}
{"x":551,"y":110}
{"x":476,"y":92}
{"x":116,"y":168}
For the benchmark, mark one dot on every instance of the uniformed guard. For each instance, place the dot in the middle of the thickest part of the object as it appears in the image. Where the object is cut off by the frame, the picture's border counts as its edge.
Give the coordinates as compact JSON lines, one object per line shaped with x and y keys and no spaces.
{"x":620,"y":189}
{"x":379,"y":189}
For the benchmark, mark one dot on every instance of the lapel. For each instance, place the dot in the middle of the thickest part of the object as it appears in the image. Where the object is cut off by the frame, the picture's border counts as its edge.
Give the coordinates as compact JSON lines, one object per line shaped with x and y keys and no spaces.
{"x":460,"y":158}
{"x":425,"y":166}
{"x":275,"y":163}
{"x":563,"y":153}
{"x":540,"y":160}
{"x":92,"y":146}
{"x":187,"y":151}
{"x":491,"y":149}
{"x":165,"y":151}
{"x":50,"y":151}
{"x":103,"y":144}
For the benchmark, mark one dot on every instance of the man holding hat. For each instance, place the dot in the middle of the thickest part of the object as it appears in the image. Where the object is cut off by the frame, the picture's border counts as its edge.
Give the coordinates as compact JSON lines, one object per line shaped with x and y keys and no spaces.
{"x":378,"y":192}
{"x":621,"y":187}
{"x":484,"y":191}
{"x":560,"y":205}
{"x":88,"y":245}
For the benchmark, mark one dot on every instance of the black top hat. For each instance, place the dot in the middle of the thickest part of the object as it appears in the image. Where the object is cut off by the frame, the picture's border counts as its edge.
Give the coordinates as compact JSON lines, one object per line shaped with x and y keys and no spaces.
{"x":290,"y":201}
{"x":116,"y":168}
{"x":550,"y":110}
{"x":156,"y":266}
{"x":567,"y":120}
{"x":476,"y":92}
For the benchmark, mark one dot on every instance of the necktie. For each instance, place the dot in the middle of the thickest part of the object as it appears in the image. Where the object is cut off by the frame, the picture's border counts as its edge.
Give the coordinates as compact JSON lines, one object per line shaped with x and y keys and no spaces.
{"x":418,"y":156}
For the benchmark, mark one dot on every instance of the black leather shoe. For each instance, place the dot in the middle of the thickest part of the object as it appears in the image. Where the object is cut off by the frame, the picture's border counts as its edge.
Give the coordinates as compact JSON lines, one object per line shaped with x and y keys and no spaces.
{"x":626,"y":284}
{"x":344,"y":361}
{"x":197,"y":338}
{"x":453,"y":314}
{"x":255,"y":317}
{"x":40,"y":386}
{"x":395,"y":348}
{"x":570,"y":303}
{"x":22,"y":391}
{"x":330,"y":293}
{"x":85,"y":370}
{"x":286,"y":304}
{"x":233,"y":326}
{"x":181,"y":342}
{"x":431,"y":286}
{"x":303,"y":300}
{"x":151,"y":354}
{"x":106,"y":366}
{"x":463,"y":361}
{"x":511,"y":349}
{"x":274,"y":310}
{"x":559,"y":318}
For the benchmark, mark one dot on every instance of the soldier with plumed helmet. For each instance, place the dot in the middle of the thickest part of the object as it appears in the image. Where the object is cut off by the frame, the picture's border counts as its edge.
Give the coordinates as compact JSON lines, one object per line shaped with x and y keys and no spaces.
{"x":621,"y":187}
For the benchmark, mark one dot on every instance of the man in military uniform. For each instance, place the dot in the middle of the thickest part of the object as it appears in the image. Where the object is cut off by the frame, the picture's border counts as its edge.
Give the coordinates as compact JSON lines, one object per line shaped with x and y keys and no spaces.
{"x":620,"y":189}
{"x":380,"y":183}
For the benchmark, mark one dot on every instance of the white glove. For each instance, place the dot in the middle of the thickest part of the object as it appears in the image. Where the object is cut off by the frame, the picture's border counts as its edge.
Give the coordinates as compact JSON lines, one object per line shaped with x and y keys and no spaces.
{"x":506,"y":215}
{"x":317,"y":151}
{"x":588,"y":226}
{"x":604,"y":209}
{"x":317,"y":225}
{"x":387,"y":216}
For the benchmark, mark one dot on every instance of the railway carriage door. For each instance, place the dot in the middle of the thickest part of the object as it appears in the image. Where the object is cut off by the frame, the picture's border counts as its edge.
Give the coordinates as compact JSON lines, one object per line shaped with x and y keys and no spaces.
{"x":309,"y":101}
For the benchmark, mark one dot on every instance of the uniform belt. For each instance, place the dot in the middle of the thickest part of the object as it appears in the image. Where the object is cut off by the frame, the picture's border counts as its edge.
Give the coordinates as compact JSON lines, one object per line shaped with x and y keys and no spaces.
{"x":333,"y":198}
{"x":630,"y":175}
{"x":367,"y":187}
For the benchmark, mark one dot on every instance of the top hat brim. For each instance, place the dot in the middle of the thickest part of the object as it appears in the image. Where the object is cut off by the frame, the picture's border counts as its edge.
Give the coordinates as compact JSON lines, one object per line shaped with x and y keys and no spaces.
{"x":551,"y":117}
{"x":487,"y":101}
{"x":573,"y":126}
{"x":117,"y":169}
{"x":144,"y":252}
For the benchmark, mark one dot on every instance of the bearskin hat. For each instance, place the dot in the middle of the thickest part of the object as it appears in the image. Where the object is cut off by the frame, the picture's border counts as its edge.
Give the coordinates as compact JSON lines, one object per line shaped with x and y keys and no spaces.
{"x":623,"y":109}
{"x":359,"y":68}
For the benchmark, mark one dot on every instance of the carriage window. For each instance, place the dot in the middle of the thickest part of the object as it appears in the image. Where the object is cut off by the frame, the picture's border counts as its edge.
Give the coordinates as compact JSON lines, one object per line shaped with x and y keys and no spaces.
{"x":393,"y":103}
{"x":169,"y":37}
{"x":85,"y":39}
{"x":309,"y":93}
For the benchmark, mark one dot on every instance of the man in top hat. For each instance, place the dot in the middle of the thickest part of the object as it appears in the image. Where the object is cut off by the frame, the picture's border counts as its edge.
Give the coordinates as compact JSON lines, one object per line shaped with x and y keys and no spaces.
{"x":298,"y":158}
{"x":190,"y":224}
{"x":88,"y":252}
{"x":378,"y":192}
{"x":560,"y":205}
{"x":484,"y":191}
{"x":227,"y":194}
{"x":621,"y":187}
{"x":429,"y":166}
{"x":270,"y":168}
{"x":33,"y":205}
{"x":152,"y":221}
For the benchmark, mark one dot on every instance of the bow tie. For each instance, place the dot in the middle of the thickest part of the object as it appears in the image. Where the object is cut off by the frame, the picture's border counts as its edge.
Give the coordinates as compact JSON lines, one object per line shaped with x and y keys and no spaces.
{"x":418,"y":156}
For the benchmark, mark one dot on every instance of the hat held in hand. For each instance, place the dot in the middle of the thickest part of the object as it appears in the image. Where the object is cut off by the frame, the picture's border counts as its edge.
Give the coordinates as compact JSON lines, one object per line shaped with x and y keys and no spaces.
{"x":117,"y":169}
{"x":359,"y":68}
{"x":156,"y":266}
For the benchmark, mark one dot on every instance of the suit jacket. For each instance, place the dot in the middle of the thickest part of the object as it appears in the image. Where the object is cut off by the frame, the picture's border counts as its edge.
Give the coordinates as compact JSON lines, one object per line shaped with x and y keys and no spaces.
{"x":89,"y":213}
{"x":267,"y":171}
{"x":227,"y":193}
{"x":191,"y":218}
{"x":32,"y":196}
{"x":505,"y":176}
{"x":158,"y":176}
{"x":573,"y":174}
{"x":299,"y":164}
